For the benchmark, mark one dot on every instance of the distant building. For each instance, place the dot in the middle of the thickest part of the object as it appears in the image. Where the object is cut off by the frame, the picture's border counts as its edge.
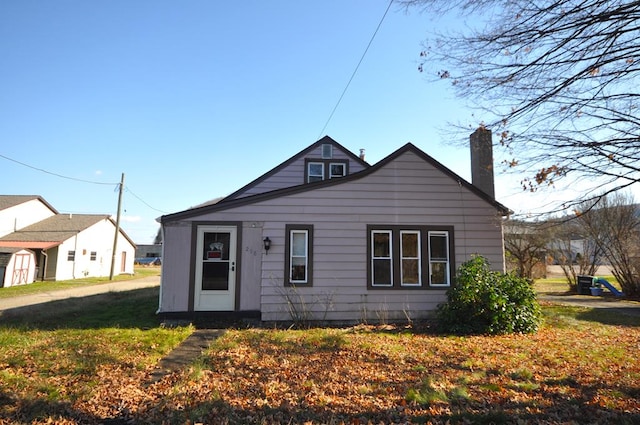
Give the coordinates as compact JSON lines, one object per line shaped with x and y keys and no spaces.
{"x":38,"y":243}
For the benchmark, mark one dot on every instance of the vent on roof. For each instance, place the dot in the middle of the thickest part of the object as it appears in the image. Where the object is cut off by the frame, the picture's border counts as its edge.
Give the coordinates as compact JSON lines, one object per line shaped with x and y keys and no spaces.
{"x":327,"y":151}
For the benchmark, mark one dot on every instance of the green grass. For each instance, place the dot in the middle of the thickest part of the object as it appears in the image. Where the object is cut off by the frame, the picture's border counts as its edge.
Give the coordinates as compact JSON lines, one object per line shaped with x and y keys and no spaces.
{"x":35,"y":287}
{"x":64,"y":353}
{"x":95,"y":354}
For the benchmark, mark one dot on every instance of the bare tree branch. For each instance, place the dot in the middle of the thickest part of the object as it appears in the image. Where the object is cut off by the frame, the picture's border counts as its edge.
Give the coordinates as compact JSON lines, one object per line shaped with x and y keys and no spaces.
{"x":556,"y":80}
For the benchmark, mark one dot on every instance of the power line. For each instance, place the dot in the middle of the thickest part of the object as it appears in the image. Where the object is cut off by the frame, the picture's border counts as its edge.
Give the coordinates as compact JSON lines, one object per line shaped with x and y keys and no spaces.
{"x":356,"y":69}
{"x":126,"y":188}
{"x":117,"y":185}
{"x":55,"y":174}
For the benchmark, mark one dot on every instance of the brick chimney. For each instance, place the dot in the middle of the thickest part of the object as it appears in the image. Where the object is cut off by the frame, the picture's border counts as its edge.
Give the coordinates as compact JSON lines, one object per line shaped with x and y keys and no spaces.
{"x":482,"y":160}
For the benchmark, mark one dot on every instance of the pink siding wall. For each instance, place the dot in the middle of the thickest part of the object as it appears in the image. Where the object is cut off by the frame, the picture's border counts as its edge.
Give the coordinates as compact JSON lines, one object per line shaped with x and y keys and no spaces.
{"x":406,"y":191}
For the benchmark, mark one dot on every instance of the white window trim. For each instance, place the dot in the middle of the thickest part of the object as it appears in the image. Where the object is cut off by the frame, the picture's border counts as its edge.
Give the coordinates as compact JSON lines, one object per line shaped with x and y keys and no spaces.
{"x":389,"y":258}
{"x":306,"y":255}
{"x":344,"y":169}
{"x":309,"y":175}
{"x":439,"y":261}
{"x":418,"y":258}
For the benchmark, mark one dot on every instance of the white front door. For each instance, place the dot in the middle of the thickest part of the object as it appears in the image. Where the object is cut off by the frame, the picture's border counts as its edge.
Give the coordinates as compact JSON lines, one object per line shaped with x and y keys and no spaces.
{"x":215,"y":279}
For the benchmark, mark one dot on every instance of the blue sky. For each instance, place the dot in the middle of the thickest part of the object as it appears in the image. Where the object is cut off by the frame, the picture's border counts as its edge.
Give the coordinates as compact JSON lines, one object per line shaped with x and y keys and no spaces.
{"x":194,"y":99}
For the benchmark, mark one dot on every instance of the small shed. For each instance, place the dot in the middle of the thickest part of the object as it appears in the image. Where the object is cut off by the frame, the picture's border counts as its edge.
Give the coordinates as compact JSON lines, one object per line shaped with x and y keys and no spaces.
{"x":17,"y":267}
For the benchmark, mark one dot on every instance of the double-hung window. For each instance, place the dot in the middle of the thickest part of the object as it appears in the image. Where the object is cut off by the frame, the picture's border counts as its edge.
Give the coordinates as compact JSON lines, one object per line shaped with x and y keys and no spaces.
{"x":439,"y":258}
{"x":410,"y":270}
{"x":337,"y":170}
{"x":381,"y":258}
{"x":299,"y":254}
{"x":315,"y":172}
{"x":71,"y":255}
{"x":409,"y":256}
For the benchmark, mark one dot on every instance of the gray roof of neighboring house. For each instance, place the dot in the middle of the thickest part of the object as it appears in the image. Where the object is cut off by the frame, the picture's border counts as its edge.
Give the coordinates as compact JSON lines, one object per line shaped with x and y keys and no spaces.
{"x":8,"y":201}
{"x":58,"y":228}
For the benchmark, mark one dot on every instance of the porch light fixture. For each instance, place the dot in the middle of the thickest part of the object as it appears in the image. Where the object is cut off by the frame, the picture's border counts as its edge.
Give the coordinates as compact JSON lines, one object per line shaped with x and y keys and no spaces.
{"x":267,"y":244}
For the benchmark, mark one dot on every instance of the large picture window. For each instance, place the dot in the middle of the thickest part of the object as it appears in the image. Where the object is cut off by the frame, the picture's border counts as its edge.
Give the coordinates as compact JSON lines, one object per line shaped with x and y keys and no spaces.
{"x":409,"y":256}
{"x":299,"y":254}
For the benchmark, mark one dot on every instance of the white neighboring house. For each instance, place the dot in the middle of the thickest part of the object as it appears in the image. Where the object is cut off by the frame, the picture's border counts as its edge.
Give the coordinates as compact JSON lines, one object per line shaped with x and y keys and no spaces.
{"x":18,"y":211}
{"x":63,"y":246}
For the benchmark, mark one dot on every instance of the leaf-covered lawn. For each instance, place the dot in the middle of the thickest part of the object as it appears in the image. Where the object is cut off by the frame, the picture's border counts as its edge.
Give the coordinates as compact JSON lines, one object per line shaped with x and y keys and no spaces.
{"x":572,"y":371}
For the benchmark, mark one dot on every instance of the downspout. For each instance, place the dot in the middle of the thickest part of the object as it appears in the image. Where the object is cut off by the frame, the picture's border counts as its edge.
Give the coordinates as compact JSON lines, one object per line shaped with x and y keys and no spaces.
{"x":44,"y":264}
{"x":75,"y":255}
{"x":161,"y":267}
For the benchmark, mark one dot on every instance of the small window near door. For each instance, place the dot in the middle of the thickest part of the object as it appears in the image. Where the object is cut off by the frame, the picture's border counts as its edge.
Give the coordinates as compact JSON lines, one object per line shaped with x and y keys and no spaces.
{"x":71,"y":256}
{"x":299,"y":254}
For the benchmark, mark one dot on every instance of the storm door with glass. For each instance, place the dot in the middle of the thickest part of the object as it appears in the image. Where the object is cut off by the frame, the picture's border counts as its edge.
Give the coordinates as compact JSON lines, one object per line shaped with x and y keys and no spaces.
{"x":215,"y":277}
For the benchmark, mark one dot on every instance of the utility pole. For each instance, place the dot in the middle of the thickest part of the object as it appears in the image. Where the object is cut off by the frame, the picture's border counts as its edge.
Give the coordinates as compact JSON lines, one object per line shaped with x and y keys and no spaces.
{"x":115,"y":238}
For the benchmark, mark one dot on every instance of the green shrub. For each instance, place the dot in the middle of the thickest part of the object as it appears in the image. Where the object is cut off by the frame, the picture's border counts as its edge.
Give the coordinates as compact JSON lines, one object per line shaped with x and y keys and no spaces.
{"x":488,"y":302}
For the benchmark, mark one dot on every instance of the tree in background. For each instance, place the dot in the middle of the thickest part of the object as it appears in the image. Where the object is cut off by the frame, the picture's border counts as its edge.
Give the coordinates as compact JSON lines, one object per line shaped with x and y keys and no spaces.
{"x":574,"y":250}
{"x":526,"y":245}
{"x":556,"y":80}
{"x":614,"y":224}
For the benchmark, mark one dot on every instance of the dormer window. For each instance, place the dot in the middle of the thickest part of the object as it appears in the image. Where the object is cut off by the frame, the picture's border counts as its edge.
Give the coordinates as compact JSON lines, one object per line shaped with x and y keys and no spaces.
{"x":315,"y":171}
{"x":318,"y":169}
{"x":337,"y":170}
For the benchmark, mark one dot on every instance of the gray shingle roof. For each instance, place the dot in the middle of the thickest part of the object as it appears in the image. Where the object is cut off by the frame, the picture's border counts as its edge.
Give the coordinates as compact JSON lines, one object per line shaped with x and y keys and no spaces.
{"x":8,"y":201}
{"x":57,"y":228}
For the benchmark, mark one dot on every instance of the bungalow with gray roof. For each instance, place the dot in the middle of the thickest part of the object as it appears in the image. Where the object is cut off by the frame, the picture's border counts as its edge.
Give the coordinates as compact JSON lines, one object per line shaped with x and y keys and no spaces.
{"x":325,"y":236}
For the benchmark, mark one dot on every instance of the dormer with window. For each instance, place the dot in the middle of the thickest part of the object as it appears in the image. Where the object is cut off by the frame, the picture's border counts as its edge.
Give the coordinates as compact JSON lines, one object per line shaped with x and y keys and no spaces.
{"x":324,"y":160}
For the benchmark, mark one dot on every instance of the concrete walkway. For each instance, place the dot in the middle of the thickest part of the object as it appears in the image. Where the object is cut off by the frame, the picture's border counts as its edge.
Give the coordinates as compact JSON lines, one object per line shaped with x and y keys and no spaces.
{"x":77,"y":292}
{"x":185,"y":353}
{"x":631,"y":308}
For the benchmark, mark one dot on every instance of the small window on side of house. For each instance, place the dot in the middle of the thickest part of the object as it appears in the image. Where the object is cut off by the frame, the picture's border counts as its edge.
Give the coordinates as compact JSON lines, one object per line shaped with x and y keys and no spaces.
{"x":71,"y":256}
{"x":439,"y":259}
{"x":299,"y":255}
{"x":93,"y":256}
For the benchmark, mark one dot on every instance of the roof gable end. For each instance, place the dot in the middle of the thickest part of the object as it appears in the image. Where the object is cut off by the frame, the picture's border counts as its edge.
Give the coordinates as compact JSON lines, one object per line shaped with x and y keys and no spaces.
{"x":409,"y":147}
{"x":9,"y":201}
{"x":302,"y":154}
